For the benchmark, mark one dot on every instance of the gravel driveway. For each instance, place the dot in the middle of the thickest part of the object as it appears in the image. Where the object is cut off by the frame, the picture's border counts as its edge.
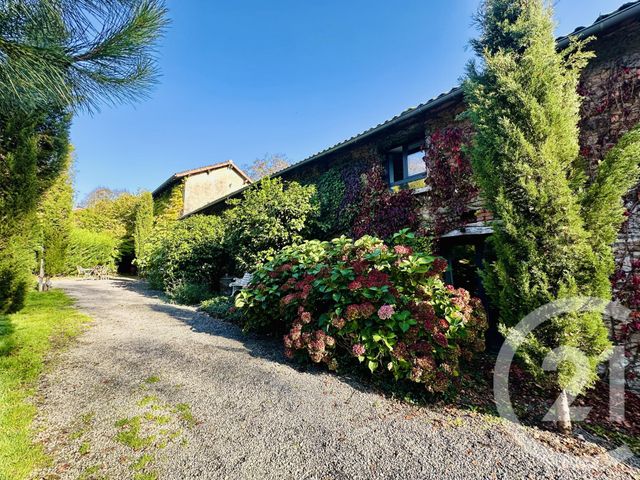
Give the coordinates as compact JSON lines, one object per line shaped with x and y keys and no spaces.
{"x":153,"y":390}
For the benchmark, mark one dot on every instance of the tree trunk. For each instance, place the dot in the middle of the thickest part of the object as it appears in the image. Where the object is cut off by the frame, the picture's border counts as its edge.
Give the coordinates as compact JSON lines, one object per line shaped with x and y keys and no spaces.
{"x":41,"y":276}
{"x":564,"y":414}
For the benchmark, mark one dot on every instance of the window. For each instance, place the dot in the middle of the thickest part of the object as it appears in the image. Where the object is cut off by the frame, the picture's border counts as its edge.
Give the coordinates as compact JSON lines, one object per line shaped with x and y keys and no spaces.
{"x":406,"y":166}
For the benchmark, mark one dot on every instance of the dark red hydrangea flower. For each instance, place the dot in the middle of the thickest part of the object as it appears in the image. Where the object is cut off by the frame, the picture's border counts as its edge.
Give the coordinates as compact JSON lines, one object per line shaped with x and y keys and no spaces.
{"x":359,"y":266}
{"x":353,"y":312}
{"x":424,"y":313}
{"x":440,"y":339}
{"x":400,"y":350}
{"x":355,"y":285}
{"x":443,"y":324}
{"x":439,"y":265}
{"x":412,"y":335}
{"x":289,"y":353}
{"x":289,"y":298}
{"x":421,"y":347}
{"x":426,"y":363}
{"x":375,"y":278}
{"x":367,"y":310}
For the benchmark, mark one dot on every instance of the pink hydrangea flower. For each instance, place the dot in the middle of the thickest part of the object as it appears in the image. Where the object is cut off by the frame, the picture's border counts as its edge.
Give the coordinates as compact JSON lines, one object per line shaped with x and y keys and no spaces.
{"x":305,"y":317}
{"x":358,"y":350}
{"x":402,"y":250}
{"x":385,"y":312}
{"x":339,"y":323}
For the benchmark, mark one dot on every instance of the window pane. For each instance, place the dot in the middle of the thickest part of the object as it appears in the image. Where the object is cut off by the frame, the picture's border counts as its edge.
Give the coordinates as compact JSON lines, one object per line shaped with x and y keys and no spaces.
{"x":415,"y":163}
{"x":398,"y":167}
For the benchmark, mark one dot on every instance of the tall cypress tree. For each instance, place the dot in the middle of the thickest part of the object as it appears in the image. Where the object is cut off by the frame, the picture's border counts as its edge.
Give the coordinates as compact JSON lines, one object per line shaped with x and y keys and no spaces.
{"x":33,"y":151}
{"x":555,"y":226}
{"x":55,"y":222}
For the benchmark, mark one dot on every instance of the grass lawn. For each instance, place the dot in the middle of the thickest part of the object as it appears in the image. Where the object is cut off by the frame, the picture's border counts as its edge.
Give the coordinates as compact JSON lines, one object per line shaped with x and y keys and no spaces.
{"x":46,"y":324}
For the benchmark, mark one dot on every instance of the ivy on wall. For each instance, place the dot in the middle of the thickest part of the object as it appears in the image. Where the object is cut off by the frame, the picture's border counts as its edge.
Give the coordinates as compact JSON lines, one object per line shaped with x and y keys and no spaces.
{"x":610,"y":108}
{"x":169,"y":205}
{"x":382,"y":212}
{"x":450,"y":183}
{"x":338,"y":194}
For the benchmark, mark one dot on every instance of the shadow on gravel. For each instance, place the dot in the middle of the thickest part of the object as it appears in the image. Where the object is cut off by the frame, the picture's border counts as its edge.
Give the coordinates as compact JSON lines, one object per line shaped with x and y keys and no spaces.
{"x":258,"y":346}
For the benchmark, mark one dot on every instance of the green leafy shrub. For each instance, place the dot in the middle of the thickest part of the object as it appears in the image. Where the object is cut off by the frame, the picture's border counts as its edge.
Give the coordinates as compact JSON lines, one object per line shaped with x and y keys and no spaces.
{"x":143,"y":228}
{"x":268,"y":217}
{"x":189,"y":252}
{"x":89,"y":249}
{"x":384,"y":305}
{"x":185,"y":293}
{"x":223,"y":308}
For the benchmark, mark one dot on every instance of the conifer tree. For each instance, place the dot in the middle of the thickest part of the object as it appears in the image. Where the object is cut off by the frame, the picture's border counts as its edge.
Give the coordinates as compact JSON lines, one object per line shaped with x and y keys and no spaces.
{"x":555,"y":226}
{"x":55,"y":222}
{"x":56,"y":57}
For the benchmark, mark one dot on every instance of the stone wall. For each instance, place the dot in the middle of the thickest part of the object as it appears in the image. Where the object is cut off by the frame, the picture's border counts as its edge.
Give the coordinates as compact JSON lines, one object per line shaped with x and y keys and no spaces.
{"x":611,"y":90}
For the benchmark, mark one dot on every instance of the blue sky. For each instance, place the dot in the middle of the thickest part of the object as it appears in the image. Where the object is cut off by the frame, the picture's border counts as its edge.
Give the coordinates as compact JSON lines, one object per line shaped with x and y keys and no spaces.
{"x":242,"y":78}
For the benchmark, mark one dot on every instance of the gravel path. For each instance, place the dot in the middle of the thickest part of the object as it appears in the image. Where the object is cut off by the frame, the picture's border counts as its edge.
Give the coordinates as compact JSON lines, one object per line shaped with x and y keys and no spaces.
{"x":153,"y":390}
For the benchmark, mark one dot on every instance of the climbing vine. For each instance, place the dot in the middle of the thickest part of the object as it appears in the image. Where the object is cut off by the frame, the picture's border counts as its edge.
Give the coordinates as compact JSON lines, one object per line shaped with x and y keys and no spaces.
{"x":382,"y":212}
{"x":450,"y":183}
{"x":338,"y":193}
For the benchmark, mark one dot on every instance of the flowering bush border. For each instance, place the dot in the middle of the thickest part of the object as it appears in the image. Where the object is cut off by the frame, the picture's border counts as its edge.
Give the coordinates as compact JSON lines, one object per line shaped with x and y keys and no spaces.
{"x":382,"y":304}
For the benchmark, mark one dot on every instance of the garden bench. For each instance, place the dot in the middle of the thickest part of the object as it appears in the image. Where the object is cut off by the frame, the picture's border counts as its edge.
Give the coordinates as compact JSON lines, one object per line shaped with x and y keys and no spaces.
{"x":84,"y":272}
{"x":240,"y":283}
{"x":99,"y":273}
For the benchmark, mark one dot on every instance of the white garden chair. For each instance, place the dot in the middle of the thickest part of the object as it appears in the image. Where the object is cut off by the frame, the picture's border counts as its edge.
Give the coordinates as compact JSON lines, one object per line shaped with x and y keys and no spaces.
{"x":240,"y":283}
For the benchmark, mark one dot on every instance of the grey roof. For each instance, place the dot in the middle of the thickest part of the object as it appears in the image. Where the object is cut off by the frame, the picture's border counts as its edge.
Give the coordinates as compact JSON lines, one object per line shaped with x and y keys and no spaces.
{"x":603,"y":23}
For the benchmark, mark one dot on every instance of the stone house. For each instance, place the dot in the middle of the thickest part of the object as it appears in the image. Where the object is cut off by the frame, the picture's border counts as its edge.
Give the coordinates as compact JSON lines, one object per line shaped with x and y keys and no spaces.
{"x":192,"y":189}
{"x":611,"y":89}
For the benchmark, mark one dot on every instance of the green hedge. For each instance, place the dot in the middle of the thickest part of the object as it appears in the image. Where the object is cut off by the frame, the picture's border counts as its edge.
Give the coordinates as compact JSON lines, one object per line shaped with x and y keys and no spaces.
{"x":89,"y":249}
{"x":186,"y":259}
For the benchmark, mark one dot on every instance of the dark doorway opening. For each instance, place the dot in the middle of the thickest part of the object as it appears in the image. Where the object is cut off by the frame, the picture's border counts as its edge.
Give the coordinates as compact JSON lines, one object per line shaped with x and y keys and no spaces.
{"x":466,"y":255}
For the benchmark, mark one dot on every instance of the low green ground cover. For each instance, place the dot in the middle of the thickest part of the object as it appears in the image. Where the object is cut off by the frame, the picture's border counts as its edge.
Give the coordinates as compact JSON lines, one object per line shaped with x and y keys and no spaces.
{"x":47,"y":324}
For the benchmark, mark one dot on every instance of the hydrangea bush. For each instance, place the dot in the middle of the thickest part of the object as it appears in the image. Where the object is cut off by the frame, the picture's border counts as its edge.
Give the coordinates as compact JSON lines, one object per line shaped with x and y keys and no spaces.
{"x":381,"y":304}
